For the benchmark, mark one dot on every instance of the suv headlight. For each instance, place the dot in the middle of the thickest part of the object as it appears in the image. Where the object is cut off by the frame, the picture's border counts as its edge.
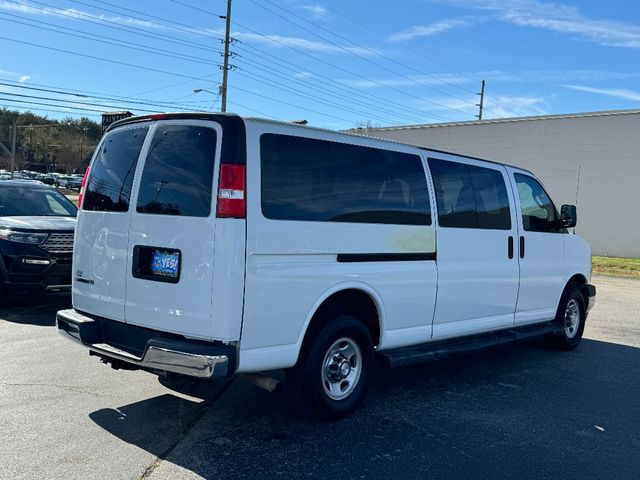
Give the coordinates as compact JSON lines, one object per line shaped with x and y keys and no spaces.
{"x":22,"y":237}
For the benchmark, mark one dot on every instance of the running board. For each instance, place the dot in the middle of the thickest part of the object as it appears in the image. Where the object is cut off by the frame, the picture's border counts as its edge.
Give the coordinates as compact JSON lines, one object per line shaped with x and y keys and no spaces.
{"x":439,"y":349}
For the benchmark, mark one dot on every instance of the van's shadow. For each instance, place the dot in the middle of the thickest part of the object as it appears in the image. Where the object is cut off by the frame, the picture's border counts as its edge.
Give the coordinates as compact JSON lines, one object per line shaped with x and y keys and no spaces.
{"x":518,"y":412}
{"x":34,"y":309}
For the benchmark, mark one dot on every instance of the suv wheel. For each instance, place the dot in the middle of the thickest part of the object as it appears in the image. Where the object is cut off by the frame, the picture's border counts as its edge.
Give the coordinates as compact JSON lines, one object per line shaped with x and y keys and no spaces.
{"x":334,"y":369}
{"x":571,"y":316}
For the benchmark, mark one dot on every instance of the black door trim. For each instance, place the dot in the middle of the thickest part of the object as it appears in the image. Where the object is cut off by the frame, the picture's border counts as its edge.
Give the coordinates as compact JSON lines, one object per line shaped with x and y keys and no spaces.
{"x":386,"y":257}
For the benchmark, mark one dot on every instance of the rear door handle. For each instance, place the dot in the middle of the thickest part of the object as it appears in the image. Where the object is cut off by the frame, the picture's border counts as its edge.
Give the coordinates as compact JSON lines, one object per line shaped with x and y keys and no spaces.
{"x":510,"y":247}
{"x":521,"y":247}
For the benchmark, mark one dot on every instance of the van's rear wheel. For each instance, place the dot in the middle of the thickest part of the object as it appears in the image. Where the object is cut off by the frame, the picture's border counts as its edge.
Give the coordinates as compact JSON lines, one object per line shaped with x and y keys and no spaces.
{"x":334,"y":369}
{"x":571,"y":317}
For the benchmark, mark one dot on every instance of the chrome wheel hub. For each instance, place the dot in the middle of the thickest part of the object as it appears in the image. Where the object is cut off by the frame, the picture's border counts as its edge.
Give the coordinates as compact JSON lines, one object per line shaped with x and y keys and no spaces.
{"x":571,"y":319}
{"x":341,"y":368}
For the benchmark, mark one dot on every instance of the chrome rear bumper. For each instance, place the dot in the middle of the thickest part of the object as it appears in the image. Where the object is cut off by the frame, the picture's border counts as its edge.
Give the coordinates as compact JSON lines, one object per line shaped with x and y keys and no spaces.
{"x":149,"y":349}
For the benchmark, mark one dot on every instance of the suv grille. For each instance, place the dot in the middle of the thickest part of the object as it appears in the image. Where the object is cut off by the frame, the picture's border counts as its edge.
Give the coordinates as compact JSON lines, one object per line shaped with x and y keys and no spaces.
{"x":58,"y":243}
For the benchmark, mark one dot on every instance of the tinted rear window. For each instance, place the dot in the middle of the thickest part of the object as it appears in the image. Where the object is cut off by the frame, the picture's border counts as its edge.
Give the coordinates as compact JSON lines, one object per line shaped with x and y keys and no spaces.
{"x":178,"y":173}
{"x":108,"y":188}
{"x":317,"y":180}
{"x":469,"y":196}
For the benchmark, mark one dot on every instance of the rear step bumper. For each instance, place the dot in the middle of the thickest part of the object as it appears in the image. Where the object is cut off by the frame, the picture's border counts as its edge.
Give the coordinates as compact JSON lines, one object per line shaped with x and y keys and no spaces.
{"x":147,"y":349}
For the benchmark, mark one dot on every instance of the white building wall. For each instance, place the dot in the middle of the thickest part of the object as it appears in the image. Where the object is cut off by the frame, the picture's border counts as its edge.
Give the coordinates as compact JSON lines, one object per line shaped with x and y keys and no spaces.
{"x":602,"y":150}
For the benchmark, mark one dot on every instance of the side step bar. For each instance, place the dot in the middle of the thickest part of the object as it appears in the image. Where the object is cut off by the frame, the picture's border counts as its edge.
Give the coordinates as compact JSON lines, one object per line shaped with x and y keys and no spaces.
{"x":437,"y":350}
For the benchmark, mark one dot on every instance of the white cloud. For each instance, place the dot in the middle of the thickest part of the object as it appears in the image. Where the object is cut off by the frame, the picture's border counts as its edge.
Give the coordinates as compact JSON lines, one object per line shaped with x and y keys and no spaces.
{"x":302,"y":43}
{"x":24,"y":78}
{"x":495,"y":76}
{"x":303,"y":75}
{"x":609,"y":92}
{"x":499,"y":106}
{"x":558,"y":17}
{"x":430,"y":29}
{"x":74,"y":14}
{"x":316,"y":11}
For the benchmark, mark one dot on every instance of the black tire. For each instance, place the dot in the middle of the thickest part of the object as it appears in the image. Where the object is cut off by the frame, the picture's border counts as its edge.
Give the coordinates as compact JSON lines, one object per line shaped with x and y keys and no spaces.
{"x":4,"y":293}
{"x":571,"y":309}
{"x":317,"y":372}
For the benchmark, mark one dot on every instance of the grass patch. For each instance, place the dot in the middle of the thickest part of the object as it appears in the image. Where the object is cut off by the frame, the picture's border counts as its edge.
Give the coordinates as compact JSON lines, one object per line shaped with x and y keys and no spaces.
{"x":620,"y":267}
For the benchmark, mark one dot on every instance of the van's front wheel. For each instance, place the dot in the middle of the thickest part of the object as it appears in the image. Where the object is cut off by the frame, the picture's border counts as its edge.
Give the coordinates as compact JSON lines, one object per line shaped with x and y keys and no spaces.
{"x":571,"y":317}
{"x":334,"y":369}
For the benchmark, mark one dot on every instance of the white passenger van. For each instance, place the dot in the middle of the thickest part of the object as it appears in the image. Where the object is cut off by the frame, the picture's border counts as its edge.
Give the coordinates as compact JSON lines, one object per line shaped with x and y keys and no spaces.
{"x":212,"y":245}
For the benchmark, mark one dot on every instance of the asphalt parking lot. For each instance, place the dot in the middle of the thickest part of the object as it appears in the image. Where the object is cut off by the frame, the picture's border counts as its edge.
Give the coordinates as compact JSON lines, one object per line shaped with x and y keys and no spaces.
{"x":517,"y":412}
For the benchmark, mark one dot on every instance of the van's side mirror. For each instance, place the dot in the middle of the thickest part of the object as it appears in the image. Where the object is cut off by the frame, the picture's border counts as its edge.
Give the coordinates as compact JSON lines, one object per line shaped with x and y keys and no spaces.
{"x":568,"y":216}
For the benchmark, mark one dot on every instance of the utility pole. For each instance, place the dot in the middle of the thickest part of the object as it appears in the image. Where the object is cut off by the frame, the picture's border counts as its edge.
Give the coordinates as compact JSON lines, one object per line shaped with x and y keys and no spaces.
{"x":481,"y":104}
{"x":225,"y":68}
{"x":14,"y":136}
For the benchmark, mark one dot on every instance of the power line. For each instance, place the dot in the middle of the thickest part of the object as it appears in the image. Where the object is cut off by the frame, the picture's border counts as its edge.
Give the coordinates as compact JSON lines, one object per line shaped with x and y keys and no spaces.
{"x":48,"y":110}
{"x":94,"y":57}
{"x":88,"y":94}
{"x":76,"y":102}
{"x":422,"y":55}
{"x":110,"y":40}
{"x":374,"y":52}
{"x":432,"y":115}
{"x":327,"y":82}
{"x":193,"y":30}
{"x":315,"y":91}
{"x":84,"y":17}
{"x":263,"y":80}
{"x":47,"y":104}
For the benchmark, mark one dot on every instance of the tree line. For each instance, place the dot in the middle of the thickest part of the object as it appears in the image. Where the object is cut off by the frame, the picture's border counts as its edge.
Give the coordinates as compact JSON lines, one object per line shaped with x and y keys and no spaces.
{"x":46,"y":145}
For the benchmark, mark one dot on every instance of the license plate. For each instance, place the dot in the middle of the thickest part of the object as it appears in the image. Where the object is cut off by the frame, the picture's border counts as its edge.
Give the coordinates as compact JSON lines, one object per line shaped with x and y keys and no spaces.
{"x":165,"y":264}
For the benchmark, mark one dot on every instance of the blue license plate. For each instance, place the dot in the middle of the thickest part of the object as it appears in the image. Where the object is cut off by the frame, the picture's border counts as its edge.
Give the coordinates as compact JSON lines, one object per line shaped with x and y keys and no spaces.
{"x":165,"y":264}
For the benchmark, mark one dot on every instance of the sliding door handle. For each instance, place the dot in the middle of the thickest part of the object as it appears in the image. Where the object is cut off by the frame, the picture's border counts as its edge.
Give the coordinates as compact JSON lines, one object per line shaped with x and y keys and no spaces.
{"x":521,"y":247}
{"x":510,"y":247}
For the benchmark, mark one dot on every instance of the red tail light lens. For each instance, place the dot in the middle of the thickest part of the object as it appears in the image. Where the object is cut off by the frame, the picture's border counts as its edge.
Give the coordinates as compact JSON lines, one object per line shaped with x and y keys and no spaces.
{"x":232,"y":191}
{"x":82,"y":186}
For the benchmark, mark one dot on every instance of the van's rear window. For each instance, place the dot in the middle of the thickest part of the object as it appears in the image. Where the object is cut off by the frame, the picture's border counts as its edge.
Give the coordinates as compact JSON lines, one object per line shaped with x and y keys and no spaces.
{"x":178,"y":172}
{"x":317,"y":180}
{"x":108,"y":188}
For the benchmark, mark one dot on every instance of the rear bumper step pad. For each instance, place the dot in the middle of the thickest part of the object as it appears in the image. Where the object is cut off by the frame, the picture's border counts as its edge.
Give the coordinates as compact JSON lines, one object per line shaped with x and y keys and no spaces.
{"x":145,"y":348}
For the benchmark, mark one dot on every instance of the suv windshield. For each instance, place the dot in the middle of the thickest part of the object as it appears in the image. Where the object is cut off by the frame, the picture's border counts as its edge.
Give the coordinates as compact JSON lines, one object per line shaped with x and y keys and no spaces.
{"x":29,"y":201}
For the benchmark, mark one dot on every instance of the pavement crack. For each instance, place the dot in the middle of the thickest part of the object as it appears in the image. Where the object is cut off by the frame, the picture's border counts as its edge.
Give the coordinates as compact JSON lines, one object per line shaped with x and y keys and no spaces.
{"x":69,"y":388}
{"x":206,"y":405}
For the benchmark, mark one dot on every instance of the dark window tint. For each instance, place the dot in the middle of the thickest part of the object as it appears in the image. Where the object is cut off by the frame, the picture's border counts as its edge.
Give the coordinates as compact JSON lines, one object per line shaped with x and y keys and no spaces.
{"x":108,"y":188}
{"x":538,"y":211}
{"x":29,"y":201}
{"x":178,"y":173}
{"x":470,"y":196}
{"x":316,"y":180}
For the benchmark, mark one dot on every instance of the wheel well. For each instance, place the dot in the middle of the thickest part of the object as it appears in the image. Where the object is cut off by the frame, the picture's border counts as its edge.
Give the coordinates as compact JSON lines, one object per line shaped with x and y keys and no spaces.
{"x":347,"y":302}
{"x":579,"y":280}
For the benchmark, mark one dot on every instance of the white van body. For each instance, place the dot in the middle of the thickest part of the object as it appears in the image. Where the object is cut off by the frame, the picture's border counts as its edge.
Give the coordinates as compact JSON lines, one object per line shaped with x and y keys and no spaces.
{"x":189,"y":286}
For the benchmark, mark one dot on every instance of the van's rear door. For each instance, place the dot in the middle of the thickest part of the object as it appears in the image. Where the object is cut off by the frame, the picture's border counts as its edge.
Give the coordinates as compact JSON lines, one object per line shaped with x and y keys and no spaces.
{"x":102,"y":232}
{"x":171,"y":241}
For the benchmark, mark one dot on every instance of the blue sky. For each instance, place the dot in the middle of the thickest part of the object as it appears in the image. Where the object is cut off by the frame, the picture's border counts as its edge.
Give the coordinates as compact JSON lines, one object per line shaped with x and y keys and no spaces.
{"x":335,"y":63}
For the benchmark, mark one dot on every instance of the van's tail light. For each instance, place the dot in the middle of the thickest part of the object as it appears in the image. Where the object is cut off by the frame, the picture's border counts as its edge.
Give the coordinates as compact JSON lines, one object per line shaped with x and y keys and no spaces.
{"x":232,"y":191}
{"x":82,"y":186}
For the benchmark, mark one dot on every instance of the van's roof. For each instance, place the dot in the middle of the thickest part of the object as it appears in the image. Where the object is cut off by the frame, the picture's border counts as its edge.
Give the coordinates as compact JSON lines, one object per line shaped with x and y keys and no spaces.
{"x":219,"y":116}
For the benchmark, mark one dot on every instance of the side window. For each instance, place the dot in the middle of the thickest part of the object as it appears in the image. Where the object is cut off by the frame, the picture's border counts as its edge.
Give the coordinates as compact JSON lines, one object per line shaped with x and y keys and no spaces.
{"x":538,"y":212}
{"x":108,"y":188}
{"x":469,"y":196}
{"x":492,"y":200}
{"x":317,"y":180}
{"x":178,"y":173}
